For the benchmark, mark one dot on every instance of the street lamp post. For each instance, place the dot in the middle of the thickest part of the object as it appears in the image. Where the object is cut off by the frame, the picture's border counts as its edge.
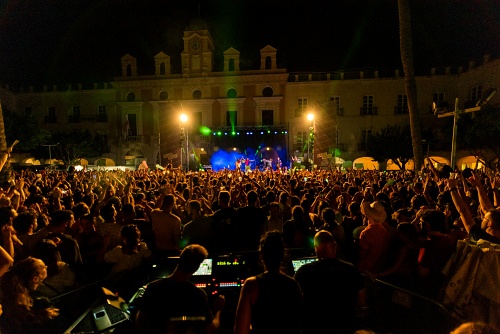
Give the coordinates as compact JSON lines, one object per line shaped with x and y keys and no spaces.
{"x":50,"y":150}
{"x":184,"y":133}
{"x":456,"y":114}
{"x":310,"y":117}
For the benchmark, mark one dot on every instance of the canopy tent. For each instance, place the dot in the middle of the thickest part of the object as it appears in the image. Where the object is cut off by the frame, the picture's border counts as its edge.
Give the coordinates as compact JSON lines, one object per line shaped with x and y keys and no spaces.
{"x":30,"y":161}
{"x":393,"y":166}
{"x":81,"y":162}
{"x":471,"y":162}
{"x":438,"y":161}
{"x":104,"y":162}
{"x":54,"y":162}
{"x":367,"y":163}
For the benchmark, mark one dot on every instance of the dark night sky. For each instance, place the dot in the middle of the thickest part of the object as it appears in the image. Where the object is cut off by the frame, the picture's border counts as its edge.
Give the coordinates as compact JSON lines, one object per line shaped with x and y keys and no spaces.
{"x":50,"y":41}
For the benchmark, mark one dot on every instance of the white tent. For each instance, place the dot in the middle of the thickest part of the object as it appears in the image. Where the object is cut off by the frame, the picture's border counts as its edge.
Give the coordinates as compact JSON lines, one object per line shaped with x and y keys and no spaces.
{"x":367,"y":163}
{"x":104,"y":162}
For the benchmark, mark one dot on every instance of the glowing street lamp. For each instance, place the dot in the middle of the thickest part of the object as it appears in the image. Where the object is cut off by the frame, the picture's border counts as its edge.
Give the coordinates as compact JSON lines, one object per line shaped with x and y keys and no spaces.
{"x":184,"y":134}
{"x":310,"y":118}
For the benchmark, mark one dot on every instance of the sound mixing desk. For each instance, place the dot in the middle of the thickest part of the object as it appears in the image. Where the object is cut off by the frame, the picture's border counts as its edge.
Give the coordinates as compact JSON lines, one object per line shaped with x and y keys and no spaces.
{"x":217,"y":275}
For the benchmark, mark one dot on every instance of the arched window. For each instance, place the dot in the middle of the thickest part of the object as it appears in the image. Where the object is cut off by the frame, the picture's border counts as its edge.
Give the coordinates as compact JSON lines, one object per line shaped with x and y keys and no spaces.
{"x":162,"y":69}
{"x":197,"y":94}
{"x":129,"y":70}
{"x":130,"y":97}
{"x":231,"y":64}
{"x":232,"y":93}
{"x":163,"y":96}
{"x":268,"y":63}
{"x":267,"y":92}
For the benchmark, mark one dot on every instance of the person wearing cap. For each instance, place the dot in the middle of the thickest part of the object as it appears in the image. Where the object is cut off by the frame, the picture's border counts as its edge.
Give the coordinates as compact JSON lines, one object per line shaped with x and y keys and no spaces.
{"x":374,"y":240}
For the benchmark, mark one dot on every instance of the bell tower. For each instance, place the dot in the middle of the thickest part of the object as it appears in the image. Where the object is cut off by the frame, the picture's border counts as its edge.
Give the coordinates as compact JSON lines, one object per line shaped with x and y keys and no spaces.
{"x":197,"y":57}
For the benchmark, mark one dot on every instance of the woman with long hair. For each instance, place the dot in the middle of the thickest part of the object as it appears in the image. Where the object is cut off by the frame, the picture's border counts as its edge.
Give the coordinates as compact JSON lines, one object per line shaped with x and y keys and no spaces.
{"x":23,"y":311}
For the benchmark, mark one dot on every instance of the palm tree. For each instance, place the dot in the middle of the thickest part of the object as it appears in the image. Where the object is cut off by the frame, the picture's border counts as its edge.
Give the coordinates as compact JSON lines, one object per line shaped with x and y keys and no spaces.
{"x":5,"y":172}
{"x":406,"y":49}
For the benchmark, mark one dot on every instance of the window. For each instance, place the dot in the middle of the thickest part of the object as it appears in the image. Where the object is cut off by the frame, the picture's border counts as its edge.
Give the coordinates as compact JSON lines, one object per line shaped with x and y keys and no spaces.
{"x":302,"y":106}
{"x":51,"y":115}
{"x":102,"y":116}
{"x":365,"y":137}
{"x":131,"y":125}
{"x":267,"y":117}
{"x":368,"y":108}
{"x":130,"y":97}
{"x":231,"y":64}
{"x":76,"y":111}
{"x":163,"y":96}
{"x":475,"y":93}
{"x":267,"y":92}
{"x":335,"y":103}
{"x":438,"y":97}
{"x":402,"y":107}
{"x":268,"y":63}
{"x":162,"y":69}
{"x":197,"y":94}
{"x":231,"y":93}
{"x":101,"y":110}
{"x":439,"y":105}
{"x":231,"y":118}
{"x":302,"y":138}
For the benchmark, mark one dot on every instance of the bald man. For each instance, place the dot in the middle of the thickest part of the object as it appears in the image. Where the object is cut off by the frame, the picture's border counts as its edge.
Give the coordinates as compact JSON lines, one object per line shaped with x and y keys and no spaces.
{"x":331,"y":288}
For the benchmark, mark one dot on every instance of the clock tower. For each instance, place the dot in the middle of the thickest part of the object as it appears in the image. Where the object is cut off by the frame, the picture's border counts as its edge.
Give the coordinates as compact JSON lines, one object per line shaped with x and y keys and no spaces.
{"x":197,"y":57}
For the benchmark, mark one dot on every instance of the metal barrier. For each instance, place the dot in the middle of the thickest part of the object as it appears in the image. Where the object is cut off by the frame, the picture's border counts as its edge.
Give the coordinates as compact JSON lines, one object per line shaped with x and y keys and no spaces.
{"x":396,"y":310}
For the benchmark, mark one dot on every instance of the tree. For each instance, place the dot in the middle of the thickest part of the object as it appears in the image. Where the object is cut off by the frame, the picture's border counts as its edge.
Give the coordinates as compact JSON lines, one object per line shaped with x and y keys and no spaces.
{"x":478,"y":133}
{"x":392,"y":142}
{"x":76,"y":145}
{"x":25,"y":129}
{"x":406,"y":49}
{"x":5,"y":172}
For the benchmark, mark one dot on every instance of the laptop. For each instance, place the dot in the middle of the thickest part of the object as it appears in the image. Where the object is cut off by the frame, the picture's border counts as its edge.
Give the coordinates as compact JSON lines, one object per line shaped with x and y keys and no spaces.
{"x":102,"y":317}
{"x":297,"y":263}
{"x":205,"y":268}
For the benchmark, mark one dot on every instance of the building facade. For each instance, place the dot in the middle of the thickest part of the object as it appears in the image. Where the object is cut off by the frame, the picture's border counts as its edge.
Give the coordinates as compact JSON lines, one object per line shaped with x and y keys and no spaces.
{"x":259,"y":113}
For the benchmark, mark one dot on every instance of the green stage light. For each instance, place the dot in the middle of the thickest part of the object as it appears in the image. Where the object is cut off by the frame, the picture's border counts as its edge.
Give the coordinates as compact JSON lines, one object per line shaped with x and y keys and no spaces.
{"x":233,"y":133}
{"x":204,"y":130}
{"x":219,"y":133}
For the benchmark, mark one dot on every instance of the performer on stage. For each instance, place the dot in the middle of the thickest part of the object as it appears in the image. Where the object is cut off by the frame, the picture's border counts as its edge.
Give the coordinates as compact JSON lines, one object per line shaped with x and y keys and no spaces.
{"x":247,"y":164}
{"x":238,"y":164}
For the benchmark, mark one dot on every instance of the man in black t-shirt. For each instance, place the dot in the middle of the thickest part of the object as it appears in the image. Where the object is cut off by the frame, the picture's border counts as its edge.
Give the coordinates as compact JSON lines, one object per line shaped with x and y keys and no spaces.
{"x":331,"y":288}
{"x":170,"y":299}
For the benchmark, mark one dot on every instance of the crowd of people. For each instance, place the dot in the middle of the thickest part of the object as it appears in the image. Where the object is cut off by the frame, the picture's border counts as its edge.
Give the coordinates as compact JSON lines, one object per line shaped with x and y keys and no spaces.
{"x":65,"y":229}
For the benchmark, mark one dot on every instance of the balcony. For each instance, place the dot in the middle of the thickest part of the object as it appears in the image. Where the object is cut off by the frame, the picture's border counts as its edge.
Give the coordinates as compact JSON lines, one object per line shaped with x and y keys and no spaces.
{"x":88,"y":119}
{"x":141,"y":139}
{"x":368,"y":111}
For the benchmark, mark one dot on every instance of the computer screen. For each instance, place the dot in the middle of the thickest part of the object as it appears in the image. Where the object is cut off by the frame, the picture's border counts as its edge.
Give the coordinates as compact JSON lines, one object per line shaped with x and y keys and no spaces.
{"x":205,"y":268}
{"x":297,"y":263}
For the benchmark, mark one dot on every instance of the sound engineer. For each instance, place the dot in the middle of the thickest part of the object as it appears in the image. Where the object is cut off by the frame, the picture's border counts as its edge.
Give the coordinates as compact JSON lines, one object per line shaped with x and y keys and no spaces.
{"x":170,"y":299}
